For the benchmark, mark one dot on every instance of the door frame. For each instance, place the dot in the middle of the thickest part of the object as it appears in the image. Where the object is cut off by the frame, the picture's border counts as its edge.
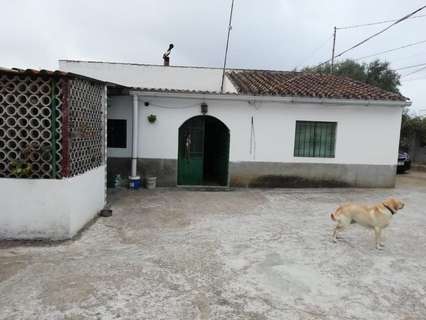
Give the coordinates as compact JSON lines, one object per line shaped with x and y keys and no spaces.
{"x":228,"y":177}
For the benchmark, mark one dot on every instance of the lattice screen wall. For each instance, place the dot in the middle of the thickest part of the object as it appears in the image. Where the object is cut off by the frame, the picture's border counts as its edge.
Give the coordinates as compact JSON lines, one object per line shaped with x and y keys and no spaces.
{"x":30,"y":125}
{"x":54,"y":124}
{"x":87,"y":125}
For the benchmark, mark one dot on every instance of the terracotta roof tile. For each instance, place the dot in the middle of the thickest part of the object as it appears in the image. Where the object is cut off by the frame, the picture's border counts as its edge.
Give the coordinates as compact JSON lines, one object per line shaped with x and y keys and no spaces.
{"x":314,"y":85}
{"x":43,"y":72}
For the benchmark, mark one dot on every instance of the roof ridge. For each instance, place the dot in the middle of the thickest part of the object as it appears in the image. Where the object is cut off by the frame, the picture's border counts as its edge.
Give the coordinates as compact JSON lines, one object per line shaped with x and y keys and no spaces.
{"x":309,"y":84}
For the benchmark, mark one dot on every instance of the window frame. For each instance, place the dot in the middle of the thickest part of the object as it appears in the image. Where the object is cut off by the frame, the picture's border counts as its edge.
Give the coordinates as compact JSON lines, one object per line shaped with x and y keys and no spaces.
{"x":308,"y":147}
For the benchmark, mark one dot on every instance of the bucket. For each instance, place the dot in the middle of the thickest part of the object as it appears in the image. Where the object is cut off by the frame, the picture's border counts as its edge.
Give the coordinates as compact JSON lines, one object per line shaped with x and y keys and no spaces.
{"x":151,"y":182}
{"x":134,"y":182}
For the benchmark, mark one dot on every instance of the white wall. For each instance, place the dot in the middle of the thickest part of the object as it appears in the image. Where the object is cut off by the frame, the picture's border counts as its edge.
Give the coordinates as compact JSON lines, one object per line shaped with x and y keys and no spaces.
{"x":49,"y":208}
{"x":151,"y":76}
{"x":365,"y":134}
{"x":121,"y":110}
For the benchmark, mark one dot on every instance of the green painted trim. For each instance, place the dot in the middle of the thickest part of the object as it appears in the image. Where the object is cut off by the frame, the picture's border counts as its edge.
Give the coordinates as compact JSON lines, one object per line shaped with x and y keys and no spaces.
{"x":53,"y":129}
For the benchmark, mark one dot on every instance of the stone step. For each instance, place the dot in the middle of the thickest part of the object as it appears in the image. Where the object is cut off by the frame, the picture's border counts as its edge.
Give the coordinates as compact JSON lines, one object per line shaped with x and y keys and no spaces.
{"x":205,"y":188}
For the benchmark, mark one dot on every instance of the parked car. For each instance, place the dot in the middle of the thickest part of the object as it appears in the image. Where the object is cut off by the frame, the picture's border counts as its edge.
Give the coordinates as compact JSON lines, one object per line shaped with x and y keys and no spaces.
{"x":404,"y":162}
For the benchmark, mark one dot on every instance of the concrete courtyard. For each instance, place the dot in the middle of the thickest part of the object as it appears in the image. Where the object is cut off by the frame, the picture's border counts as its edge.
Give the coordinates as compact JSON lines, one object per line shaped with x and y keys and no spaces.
{"x":244,"y":254}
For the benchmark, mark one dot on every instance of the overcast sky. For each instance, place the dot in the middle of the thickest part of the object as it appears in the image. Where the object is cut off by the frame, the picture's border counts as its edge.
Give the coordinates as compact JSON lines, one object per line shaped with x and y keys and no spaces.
{"x":269,"y":34}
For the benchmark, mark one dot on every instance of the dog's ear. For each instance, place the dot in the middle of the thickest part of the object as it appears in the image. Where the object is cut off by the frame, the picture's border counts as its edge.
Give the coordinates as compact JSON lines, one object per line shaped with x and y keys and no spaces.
{"x":394,"y":204}
{"x":391,"y":203}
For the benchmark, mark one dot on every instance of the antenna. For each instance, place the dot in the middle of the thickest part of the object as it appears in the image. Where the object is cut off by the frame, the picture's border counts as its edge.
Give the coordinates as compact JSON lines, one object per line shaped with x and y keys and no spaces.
{"x":333,"y":51}
{"x":166,"y":58}
{"x":227,"y":45}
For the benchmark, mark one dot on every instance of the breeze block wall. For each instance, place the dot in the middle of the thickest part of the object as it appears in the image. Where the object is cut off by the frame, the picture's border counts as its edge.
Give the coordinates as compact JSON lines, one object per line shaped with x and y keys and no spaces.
{"x":31,"y":125}
{"x":52,"y":153}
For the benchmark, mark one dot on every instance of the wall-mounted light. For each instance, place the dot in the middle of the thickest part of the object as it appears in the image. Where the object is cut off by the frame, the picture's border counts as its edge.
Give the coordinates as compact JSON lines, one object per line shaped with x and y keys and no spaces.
{"x":146,"y":103}
{"x":204,"y":108}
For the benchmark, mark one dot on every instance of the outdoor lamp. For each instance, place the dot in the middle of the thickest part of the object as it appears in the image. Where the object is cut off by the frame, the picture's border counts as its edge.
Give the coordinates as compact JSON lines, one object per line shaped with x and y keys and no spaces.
{"x":204,"y":108}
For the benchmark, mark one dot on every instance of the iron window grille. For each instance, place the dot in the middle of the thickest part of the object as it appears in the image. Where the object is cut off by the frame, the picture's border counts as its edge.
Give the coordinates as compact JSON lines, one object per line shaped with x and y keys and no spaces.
{"x":315,"y":139}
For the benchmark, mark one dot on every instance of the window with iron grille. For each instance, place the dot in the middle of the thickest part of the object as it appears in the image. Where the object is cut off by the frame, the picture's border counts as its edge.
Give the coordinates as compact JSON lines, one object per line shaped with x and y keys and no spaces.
{"x":315,"y":139}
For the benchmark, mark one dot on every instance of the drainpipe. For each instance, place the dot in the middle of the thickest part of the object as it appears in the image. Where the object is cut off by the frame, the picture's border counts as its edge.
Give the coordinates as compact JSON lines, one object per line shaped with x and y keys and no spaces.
{"x":135,"y":136}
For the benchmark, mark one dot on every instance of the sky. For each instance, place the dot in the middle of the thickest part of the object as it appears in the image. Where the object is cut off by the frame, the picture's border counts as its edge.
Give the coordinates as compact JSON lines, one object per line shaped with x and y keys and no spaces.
{"x":268,"y":34}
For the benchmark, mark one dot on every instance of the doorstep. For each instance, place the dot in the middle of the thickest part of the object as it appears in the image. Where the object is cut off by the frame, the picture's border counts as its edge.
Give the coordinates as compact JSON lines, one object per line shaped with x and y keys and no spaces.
{"x":204,"y":188}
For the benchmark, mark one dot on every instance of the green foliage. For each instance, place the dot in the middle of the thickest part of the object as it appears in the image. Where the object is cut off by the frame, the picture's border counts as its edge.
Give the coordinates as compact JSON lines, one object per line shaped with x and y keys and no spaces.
{"x":412,"y":127}
{"x":20,"y":169}
{"x":152,"y":118}
{"x":376,"y":73}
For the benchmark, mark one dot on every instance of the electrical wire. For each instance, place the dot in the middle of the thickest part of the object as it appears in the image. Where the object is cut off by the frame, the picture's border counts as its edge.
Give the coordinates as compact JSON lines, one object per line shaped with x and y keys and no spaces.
{"x":375,"y":34}
{"x":413,"y":72}
{"x":402,"y":58}
{"x":313,"y":52}
{"x":410,"y":67}
{"x":391,"y":50}
{"x":375,"y":23}
{"x":252,"y":139}
{"x":414,"y":79}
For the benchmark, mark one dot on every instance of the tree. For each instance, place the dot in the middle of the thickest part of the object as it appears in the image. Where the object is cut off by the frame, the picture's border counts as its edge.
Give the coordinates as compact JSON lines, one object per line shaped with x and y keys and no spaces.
{"x":412,"y":128}
{"x":376,"y":73}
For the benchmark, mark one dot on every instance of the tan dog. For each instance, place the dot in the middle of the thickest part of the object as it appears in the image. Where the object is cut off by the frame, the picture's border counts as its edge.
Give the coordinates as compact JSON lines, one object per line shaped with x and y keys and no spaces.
{"x":376,"y":217}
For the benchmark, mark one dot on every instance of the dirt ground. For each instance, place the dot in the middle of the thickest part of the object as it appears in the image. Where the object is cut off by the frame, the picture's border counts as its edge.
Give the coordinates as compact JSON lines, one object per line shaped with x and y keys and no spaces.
{"x":244,"y":254}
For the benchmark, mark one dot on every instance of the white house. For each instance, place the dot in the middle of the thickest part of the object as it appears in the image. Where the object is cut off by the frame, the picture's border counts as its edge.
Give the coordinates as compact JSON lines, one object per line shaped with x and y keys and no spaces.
{"x":266,"y":128}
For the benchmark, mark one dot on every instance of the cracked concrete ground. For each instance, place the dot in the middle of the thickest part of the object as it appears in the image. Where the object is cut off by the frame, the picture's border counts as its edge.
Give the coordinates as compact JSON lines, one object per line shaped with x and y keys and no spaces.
{"x":245,"y":254}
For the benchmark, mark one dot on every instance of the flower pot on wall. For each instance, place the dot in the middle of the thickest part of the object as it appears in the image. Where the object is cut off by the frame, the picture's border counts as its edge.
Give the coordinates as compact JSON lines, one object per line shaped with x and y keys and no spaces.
{"x":152,"y":118}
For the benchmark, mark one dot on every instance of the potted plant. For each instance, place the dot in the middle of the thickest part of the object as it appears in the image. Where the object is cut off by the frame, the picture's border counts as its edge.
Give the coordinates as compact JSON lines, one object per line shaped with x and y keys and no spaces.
{"x":152,"y":118}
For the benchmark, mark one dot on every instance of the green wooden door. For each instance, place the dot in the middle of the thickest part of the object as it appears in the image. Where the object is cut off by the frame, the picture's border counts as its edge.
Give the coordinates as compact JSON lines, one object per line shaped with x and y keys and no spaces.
{"x":191,"y":152}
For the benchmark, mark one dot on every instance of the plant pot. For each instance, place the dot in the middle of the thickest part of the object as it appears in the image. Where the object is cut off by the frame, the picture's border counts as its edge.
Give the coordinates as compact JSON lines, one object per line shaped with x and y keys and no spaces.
{"x":151,"y":182}
{"x":105,"y":213}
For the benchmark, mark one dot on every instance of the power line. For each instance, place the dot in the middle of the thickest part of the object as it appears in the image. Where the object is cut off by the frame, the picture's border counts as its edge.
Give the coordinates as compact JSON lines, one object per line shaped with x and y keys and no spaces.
{"x":410,"y":67}
{"x":313,"y":52}
{"x":402,"y":58}
{"x":391,"y":50}
{"x":413,"y":72}
{"x":374,"y":35}
{"x":376,"y":23}
{"x":414,"y":79}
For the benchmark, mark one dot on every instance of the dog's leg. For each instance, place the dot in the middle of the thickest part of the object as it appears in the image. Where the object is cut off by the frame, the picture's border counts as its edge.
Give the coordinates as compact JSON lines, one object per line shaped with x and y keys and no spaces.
{"x":335,"y":234}
{"x":382,"y":241}
{"x":378,"y":232}
{"x":336,"y":229}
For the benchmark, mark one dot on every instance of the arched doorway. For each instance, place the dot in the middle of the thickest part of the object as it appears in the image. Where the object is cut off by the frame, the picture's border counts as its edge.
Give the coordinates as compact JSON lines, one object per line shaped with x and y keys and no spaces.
{"x":203,"y":155}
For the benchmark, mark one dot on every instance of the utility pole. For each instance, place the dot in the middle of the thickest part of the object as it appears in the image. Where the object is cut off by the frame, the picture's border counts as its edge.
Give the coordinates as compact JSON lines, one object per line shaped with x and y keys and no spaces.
{"x":333,"y":52}
{"x":227,"y":45}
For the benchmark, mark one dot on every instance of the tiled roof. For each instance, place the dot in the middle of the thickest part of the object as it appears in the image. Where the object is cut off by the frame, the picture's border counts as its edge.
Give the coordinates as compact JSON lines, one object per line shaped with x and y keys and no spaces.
{"x":43,"y":72}
{"x":187,"y":91}
{"x":299,"y":84}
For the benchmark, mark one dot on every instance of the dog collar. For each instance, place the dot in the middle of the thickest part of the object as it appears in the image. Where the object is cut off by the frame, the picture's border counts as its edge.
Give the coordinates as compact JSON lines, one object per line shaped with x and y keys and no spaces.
{"x":393,"y":212}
